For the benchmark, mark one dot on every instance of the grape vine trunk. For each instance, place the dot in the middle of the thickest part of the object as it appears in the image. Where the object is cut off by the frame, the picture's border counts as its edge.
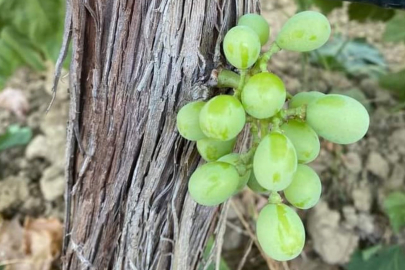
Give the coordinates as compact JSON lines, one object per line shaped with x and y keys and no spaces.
{"x":134,"y":64}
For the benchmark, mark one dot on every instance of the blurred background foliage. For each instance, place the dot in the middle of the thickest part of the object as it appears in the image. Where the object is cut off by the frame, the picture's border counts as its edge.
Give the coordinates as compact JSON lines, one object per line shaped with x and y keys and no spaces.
{"x":30,"y":34}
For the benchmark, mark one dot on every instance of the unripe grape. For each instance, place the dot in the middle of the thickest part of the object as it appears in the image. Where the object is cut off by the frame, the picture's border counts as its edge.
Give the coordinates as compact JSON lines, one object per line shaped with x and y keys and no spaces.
{"x":304,"y":98}
{"x":222,"y":118}
{"x":280,"y":232}
{"x":241,"y":47}
{"x":234,"y":159}
{"x":305,"y":31}
{"x":275,"y":162}
{"x":213,"y":183}
{"x":255,"y":186}
{"x":263,"y":95}
{"x":258,"y":24}
{"x":337,"y":118}
{"x":305,"y":189}
{"x":188,"y":123}
{"x":212,"y":149}
{"x":304,"y":139}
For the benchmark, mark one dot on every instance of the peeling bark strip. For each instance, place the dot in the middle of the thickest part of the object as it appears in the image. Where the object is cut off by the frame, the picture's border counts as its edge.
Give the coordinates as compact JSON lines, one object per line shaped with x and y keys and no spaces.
{"x":134,"y":64}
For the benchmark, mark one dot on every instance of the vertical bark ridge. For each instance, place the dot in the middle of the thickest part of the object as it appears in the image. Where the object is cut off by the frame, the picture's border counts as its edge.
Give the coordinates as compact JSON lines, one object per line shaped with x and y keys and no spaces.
{"x":134,"y":64}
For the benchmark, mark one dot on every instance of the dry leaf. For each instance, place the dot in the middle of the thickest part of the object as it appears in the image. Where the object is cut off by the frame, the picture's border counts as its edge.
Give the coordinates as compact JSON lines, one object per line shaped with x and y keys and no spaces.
{"x":32,"y":247}
{"x":15,"y":101}
{"x":11,"y":240}
{"x":42,"y":241}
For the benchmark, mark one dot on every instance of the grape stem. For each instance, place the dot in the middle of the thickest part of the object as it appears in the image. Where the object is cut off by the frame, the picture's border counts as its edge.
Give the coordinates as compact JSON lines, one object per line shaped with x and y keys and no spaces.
{"x":284,"y":115}
{"x":238,"y":90}
{"x":275,"y":198}
{"x":227,"y":79}
{"x":261,"y":63}
{"x":264,"y":127}
{"x":277,"y":122}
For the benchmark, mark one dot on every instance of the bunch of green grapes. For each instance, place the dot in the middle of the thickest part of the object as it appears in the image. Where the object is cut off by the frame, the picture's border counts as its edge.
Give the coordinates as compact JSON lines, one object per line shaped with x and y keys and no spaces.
{"x":285,"y":130}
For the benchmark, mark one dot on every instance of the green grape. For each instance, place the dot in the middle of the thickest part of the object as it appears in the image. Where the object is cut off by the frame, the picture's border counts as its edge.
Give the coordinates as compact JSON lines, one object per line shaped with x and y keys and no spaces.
{"x":263,"y":95}
{"x":244,"y":173}
{"x":255,"y":186}
{"x":222,"y":118}
{"x":258,"y":24}
{"x":213,"y":183}
{"x":304,"y":98}
{"x":211,"y":149}
{"x":241,"y":47}
{"x":305,"y":189}
{"x":188,"y":123}
{"x":304,"y":139}
{"x":275,"y":162}
{"x":305,"y":31}
{"x":337,"y":118}
{"x":280,"y":232}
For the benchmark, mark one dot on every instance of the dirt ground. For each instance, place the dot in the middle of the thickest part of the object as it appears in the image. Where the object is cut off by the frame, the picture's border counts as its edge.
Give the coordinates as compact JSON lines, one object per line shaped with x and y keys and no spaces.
{"x":356,"y":178}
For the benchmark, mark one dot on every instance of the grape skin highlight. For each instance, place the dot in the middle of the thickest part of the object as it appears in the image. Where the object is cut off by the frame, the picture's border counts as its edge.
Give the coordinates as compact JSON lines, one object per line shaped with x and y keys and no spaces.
{"x":305,"y":189}
{"x":338,"y":118}
{"x":222,"y":118}
{"x":275,"y":162}
{"x":188,"y":123}
{"x":211,"y":149}
{"x":304,"y":139}
{"x":241,"y":47}
{"x":305,"y":31}
{"x":280,"y":232}
{"x":304,"y":98}
{"x":263,"y":95}
{"x":213,"y":183}
{"x":258,"y":24}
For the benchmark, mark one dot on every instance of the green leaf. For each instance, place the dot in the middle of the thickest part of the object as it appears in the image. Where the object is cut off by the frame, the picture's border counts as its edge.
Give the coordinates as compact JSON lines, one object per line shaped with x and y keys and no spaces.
{"x":326,"y":6}
{"x":389,"y":258}
{"x":355,"y":57}
{"x":394,"y":82}
{"x":394,"y":206}
{"x":363,"y":12}
{"x":30,"y":33}
{"x":207,"y":251}
{"x":15,"y":136}
{"x":394,"y":30}
{"x":23,"y":47}
{"x":369,"y":252}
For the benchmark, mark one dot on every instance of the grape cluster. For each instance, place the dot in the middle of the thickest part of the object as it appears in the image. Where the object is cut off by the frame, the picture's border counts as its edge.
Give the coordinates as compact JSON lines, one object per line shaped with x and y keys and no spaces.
{"x":284,"y":130}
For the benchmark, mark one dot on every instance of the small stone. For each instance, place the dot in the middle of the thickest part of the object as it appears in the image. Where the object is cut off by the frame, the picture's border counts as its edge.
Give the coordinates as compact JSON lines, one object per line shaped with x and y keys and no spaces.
{"x":362,"y":198}
{"x":366,"y":223}
{"x":233,"y":239}
{"x":352,"y":162}
{"x":397,"y":177}
{"x":397,"y":141}
{"x":378,"y":165}
{"x":13,"y":191}
{"x":332,"y":242}
{"x":37,"y":148}
{"x":350,"y":216}
{"x":392,"y":157}
{"x":52,"y":183}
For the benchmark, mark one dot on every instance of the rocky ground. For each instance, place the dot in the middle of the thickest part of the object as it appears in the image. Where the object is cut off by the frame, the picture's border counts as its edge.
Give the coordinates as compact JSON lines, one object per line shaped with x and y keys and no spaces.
{"x":355,"y":178}
{"x":32,"y":177}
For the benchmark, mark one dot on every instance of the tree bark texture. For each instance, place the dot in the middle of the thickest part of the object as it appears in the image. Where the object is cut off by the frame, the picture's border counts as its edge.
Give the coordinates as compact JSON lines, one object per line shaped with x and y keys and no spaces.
{"x":134,"y":64}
